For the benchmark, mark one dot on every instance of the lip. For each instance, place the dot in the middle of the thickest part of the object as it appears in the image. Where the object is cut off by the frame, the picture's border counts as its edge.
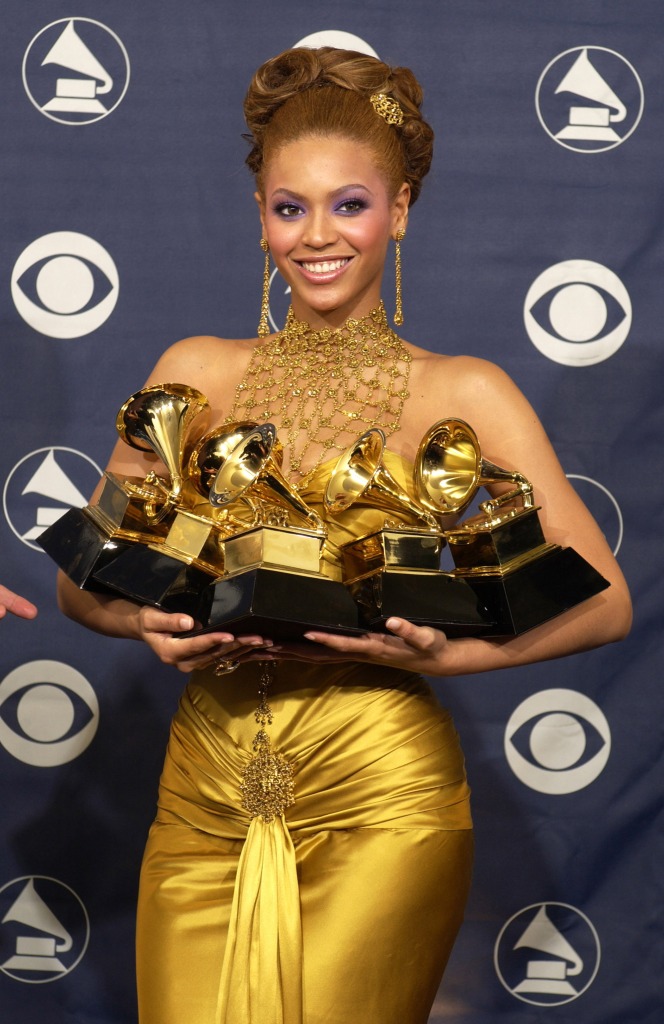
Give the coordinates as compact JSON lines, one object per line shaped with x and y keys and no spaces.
{"x":323,"y":276}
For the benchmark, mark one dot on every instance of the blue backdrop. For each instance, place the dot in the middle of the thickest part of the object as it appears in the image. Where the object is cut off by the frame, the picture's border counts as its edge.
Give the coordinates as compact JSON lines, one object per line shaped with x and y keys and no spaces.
{"x":538,"y":242}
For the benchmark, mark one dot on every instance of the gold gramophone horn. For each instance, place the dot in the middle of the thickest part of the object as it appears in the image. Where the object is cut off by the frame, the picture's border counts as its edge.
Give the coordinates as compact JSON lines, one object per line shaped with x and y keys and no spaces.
{"x":359,"y":477}
{"x":251,"y":469}
{"x":449,"y":470}
{"x":158,"y":419}
{"x":211,"y":451}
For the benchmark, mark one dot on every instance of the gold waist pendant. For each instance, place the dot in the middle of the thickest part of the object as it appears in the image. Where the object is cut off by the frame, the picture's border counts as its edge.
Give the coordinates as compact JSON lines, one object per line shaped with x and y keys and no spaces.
{"x":267,"y":785}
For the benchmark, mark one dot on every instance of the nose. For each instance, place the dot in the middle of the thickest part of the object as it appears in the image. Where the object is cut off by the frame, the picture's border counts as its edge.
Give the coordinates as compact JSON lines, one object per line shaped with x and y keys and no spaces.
{"x":320,"y":230}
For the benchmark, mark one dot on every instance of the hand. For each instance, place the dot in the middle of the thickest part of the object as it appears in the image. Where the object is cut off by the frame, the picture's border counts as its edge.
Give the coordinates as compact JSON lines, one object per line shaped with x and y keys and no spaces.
{"x":17,"y":605}
{"x":160,"y":632}
{"x":406,"y":646}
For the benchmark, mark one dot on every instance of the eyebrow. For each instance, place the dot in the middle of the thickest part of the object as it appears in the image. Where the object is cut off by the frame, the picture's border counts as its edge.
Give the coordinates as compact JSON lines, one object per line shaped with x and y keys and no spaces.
{"x":337,"y":192}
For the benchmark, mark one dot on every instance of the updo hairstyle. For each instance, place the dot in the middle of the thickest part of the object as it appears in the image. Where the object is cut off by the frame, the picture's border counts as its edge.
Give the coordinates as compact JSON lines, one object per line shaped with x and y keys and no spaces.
{"x":325,"y":92}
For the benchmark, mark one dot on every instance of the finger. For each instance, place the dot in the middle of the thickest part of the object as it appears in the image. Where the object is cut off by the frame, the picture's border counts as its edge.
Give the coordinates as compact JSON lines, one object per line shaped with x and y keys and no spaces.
{"x":200,"y":649}
{"x":157,"y":621}
{"x":255,"y":641}
{"x":24,"y":609}
{"x":17,"y":605}
{"x":237,"y":648}
{"x":421,"y":638}
{"x":344,"y":644}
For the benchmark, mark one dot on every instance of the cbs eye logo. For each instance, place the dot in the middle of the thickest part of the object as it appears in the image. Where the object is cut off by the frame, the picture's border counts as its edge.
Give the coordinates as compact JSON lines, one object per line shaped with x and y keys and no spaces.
{"x":557,"y":741}
{"x":65,"y":285}
{"x":577,"y":313}
{"x":49,"y":713}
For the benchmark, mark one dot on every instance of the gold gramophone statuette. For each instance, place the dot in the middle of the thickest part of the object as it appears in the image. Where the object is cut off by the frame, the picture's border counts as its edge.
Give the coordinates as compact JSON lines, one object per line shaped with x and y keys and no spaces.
{"x":179,"y":551}
{"x":285,"y":532}
{"x":395,"y":569}
{"x":272,"y":583}
{"x":134,"y":512}
{"x":159,"y":419}
{"x":502,"y":553}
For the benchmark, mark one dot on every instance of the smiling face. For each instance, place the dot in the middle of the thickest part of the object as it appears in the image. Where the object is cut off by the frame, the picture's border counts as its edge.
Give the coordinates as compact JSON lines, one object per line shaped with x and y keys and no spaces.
{"x":328,"y":216}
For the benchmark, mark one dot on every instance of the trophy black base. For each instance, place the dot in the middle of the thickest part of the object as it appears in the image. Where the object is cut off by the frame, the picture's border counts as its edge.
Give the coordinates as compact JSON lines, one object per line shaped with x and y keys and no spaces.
{"x":425,"y":598}
{"x":149,"y":576}
{"x":279,"y":605}
{"x":537,"y":591}
{"x":80,"y":547}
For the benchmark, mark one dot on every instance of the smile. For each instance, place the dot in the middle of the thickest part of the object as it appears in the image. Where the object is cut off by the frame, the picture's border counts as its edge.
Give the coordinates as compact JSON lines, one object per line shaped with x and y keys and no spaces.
{"x":324,"y":266}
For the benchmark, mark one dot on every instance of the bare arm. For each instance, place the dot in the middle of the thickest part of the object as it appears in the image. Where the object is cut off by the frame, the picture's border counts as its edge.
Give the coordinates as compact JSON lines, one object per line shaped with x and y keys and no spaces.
{"x":199,"y":362}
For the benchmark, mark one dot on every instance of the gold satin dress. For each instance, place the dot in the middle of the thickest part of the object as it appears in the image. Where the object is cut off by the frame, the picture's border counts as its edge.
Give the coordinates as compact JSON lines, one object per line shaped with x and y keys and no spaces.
{"x":345,"y":908}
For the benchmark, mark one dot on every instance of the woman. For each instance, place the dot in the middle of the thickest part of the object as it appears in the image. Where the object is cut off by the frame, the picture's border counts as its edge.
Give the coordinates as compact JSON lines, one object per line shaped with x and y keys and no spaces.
{"x":341,"y":896}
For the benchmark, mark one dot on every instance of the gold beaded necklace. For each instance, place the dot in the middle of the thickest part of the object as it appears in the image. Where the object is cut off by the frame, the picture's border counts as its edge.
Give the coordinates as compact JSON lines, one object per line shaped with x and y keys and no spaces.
{"x":326,"y":387}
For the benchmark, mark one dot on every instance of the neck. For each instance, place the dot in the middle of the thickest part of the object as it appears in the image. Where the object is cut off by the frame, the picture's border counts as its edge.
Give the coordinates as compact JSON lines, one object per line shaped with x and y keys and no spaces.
{"x":325,"y":324}
{"x":333,"y":319}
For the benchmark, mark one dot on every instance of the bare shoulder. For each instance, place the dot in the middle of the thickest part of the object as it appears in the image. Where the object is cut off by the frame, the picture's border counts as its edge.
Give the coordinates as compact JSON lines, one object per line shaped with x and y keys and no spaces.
{"x":199,"y":352}
{"x":459,"y":386}
{"x":211,"y":364}
{"x":463,"y":370}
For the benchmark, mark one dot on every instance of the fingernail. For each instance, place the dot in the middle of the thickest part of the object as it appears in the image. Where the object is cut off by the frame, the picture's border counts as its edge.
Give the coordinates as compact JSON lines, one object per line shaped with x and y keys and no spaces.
{"x":186,"y":623}
{"x":310,"y":636}
{"x":392,"y":623}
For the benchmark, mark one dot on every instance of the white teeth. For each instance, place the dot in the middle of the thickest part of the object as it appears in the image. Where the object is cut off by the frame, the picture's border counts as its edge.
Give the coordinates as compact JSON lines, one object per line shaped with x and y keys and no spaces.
{"x":324,"y":268}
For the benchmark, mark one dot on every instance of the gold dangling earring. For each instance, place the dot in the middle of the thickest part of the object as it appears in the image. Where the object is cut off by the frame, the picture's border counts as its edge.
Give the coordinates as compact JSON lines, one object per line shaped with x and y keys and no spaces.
{"x":398,"y":311}
{"x":263,"y":323}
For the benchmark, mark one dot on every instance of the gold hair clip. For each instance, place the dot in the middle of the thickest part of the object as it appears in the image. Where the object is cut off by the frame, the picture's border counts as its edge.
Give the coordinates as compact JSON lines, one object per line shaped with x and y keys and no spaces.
{"x":388,"y":108}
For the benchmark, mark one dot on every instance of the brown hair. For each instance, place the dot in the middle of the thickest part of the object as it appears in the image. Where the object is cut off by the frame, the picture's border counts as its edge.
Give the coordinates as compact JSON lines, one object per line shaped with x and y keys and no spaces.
{"x":326,"y":92}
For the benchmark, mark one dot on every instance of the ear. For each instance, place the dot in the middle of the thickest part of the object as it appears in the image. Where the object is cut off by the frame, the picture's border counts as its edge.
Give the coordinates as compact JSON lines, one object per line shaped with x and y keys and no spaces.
{"x":261,"y":206}
{"x":400,"y":209}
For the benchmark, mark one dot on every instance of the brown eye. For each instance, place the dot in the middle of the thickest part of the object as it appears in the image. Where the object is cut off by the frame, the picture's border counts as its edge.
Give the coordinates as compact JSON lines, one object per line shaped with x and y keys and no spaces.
{"x":351,"y":206}
{"x":287,"y":210}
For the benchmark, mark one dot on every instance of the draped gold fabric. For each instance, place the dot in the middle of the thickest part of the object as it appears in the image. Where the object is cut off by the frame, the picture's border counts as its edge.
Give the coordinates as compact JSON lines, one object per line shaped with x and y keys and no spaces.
{"x":343,"y":909}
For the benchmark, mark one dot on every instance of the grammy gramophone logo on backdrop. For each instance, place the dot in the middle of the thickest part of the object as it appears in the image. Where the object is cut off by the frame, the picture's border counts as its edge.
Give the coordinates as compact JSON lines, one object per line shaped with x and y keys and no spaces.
{"x":42,"y":486}
{"x":76,"y":71}
{"x":589,"y":99}
{"x":44,"y":929}
{"x":547,"y":954}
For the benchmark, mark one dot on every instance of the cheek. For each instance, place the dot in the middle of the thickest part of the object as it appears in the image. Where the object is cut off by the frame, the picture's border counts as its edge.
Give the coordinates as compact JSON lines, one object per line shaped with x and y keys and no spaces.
{"x":281,"y":234}
{"x":368,"y":233}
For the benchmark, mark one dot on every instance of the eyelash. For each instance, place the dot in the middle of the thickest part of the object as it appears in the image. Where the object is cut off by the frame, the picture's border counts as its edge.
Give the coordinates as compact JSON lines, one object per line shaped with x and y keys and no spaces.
{"x":281,"y":209}
{"x":360,"y":205}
